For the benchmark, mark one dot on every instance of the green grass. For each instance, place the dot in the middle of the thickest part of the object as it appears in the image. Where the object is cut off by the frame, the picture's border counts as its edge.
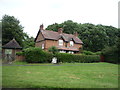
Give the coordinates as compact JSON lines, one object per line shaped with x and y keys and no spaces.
{"x":67,"y":75}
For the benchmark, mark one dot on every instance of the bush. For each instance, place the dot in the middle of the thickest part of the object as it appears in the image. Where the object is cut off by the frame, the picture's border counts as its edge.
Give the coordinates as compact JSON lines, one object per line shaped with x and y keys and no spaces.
{"x":111,"y":54}
{"x":87,"y":52}
{"x":71,"y":58}
{"x":37,"y":55}
{"x":20,"y":53}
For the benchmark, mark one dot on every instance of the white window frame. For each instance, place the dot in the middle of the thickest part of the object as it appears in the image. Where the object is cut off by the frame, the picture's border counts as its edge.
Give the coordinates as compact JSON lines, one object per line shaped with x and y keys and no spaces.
{"x":60,"y":42}
{"x":43,"y":46}
{"x":71,"y":43}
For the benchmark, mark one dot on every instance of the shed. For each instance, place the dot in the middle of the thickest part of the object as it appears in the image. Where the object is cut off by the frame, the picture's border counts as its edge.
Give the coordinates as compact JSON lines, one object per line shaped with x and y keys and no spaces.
{"x":9,"y":50}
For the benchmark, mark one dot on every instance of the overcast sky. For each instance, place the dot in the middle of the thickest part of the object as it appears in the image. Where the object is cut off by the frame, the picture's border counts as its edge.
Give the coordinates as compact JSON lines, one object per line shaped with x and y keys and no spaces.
{"x":32,"y":13}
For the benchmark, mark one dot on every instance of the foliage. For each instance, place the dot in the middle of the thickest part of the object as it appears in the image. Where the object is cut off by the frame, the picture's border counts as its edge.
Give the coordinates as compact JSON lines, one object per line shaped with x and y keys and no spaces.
{"x":110,"y":54}
{"x":53,"y":49}
{"x":37,"y":55}
{"x":94,"y":37}
{"x":70,"y":58}
{"x":20,"y":53}
{"x":28,"y":41}
{"x":11,"y":28}
{"x":87,"y":52}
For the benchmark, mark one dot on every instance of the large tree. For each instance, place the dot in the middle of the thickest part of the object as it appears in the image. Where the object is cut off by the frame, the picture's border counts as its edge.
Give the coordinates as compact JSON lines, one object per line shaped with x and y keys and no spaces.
{"x":11,"y":28}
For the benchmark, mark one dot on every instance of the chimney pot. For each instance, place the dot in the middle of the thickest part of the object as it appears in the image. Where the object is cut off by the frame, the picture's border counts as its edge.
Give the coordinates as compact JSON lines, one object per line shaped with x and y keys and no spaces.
{"x":41,"y":27}
{"x":60,"y":30}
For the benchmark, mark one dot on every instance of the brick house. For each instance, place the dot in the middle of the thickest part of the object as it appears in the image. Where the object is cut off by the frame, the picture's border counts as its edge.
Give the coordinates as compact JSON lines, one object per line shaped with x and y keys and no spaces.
{"x":66,"y":43}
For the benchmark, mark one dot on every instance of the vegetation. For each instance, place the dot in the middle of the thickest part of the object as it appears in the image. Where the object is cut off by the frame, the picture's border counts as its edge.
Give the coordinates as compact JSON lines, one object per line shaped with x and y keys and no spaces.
{"x":53,"y":49}
{"x":11,"y":28}
{"x":111,"y":54}
{"x":66,"y":75}
{"x":94,"y":37}
{"x":70,"y":58}
{"x":36,"y":55}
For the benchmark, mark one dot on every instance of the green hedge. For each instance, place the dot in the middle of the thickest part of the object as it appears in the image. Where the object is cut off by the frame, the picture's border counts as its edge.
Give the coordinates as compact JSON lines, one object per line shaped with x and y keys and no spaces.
{"x":37,"y":55}
{"x":64,"y":57}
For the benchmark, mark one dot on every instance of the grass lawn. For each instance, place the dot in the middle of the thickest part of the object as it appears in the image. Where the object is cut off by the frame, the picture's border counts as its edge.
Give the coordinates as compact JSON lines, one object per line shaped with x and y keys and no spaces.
{"x":66,"y":75}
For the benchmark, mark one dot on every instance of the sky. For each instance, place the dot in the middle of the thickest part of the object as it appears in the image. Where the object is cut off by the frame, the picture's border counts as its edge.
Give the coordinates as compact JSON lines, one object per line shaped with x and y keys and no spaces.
{"x":33,"y":13}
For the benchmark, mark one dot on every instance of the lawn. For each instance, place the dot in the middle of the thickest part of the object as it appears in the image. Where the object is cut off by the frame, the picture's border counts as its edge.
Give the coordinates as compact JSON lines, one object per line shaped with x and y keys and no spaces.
{"x":66,"y":75}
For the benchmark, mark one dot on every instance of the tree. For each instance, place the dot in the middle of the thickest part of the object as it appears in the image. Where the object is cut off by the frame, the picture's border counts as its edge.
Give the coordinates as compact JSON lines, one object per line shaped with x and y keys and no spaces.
{"x":28,"y":41}
{"x":11,"y":28}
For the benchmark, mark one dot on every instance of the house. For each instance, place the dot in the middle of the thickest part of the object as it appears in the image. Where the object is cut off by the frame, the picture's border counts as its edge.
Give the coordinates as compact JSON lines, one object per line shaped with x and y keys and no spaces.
{"x":9,"y":50}
{"x":66,"y":43}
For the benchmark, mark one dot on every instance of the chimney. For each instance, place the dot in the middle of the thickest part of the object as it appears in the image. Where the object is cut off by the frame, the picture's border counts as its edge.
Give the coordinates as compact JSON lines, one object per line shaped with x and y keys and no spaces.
{"x":41,"y":27}
{"x":60,"y":30}
{"x":76,"y":34}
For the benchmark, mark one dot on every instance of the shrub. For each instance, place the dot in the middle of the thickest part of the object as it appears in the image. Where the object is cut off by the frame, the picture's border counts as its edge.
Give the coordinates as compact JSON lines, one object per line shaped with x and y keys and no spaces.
{"x":88,"y":52}
{"x":70,"y":58}
{"x":53,"y":49}
{"x":110,"y":54}
{"x":37,"y":55}
{"x":19,"y":53}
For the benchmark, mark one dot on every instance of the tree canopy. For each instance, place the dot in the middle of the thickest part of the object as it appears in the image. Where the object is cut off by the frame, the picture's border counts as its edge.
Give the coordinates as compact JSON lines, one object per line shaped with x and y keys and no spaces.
{"x":11,"y":28}
{"x":94,"y":37}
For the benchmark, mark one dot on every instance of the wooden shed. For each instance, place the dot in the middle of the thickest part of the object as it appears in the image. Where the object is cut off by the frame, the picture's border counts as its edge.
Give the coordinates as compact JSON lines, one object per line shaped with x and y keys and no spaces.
{"x":9,"y":50}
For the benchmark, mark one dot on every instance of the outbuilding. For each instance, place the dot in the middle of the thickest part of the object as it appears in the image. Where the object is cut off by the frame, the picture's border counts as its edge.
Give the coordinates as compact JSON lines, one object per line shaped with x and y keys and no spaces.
{"x":9,"y":50}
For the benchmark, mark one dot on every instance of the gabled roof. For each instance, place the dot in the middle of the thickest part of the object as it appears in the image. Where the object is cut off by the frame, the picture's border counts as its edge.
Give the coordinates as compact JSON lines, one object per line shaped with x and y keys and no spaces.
{"x":55,"y":36}
{"x":13,"y":44}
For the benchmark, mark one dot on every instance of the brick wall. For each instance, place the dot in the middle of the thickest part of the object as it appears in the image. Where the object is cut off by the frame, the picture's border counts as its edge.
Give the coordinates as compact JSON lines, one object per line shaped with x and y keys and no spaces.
{"x":50,"y":43}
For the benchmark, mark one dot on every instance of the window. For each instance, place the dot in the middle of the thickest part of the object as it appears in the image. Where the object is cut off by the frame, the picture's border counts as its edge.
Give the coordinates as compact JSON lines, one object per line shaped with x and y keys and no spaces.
{"x":8,"y":51}
{"x":71,"y":43}
{"x":60,"y":42}
{"x":43,"y":46}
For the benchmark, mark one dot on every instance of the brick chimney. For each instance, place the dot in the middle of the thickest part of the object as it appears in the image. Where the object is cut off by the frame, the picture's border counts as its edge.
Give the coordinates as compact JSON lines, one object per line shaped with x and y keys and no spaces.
{"x":41,"y":27}
{"x":76,"y":34}
{"x":60,"y":30}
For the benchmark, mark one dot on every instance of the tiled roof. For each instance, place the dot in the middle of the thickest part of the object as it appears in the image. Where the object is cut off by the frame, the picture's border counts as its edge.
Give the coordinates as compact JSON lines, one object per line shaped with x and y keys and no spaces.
{"x":55,"y":36}
{"x":13,"y":44}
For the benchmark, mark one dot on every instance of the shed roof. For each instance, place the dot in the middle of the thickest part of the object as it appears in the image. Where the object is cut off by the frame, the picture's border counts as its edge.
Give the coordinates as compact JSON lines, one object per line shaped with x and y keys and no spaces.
{"x":13,"y":44}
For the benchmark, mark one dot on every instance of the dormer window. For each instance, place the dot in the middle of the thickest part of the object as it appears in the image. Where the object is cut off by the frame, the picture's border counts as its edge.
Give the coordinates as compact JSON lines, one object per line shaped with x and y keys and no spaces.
{"x":60,"y":42}
{"x":71,"y":43}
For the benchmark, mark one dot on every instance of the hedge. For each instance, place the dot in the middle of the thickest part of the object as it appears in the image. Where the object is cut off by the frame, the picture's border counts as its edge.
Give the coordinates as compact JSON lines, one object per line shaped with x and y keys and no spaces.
{"x":70,"y":58}
{"x":37,"y":55}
